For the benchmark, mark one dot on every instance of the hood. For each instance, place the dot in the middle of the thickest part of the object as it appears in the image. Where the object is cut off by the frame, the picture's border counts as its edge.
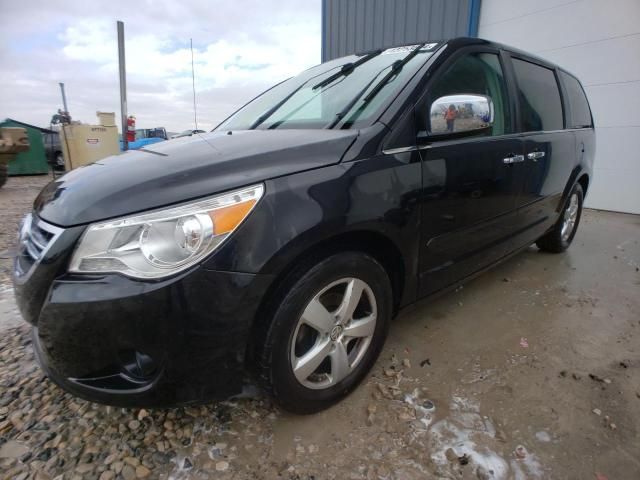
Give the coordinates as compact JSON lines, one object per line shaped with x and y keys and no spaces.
{"x":183,"y":169}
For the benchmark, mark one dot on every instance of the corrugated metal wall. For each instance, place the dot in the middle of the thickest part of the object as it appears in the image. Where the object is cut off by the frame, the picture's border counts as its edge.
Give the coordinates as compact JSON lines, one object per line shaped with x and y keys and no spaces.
{"x":350,"y":26}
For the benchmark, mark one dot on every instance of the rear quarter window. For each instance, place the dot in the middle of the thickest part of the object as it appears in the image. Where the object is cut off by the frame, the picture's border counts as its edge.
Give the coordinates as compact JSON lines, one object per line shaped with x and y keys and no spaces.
{"x":539,"y":97}
{"x":579,"y":111}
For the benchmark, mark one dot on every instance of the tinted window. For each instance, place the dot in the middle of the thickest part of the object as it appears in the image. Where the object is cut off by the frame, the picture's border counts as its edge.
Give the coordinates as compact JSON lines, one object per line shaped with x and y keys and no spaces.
{"x":475,"y":73}
{"x":580,"y":114}
{"x":540,"y":105}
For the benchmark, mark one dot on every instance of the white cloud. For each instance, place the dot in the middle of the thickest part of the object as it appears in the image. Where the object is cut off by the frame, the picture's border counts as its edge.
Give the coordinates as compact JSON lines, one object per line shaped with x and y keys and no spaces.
{"x":240,"y":49}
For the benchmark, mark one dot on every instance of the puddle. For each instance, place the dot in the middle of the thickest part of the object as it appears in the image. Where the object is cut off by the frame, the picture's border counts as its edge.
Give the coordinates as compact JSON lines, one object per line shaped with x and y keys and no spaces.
{"x":472,"y":438}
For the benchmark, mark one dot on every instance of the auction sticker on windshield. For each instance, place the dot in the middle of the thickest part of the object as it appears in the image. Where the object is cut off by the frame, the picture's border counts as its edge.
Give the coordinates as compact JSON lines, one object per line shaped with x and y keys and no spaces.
{"x":408,"y":48}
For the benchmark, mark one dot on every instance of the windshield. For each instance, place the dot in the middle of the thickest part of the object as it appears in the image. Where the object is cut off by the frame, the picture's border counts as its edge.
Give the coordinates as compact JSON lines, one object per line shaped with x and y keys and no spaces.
{"x":296,"y":104}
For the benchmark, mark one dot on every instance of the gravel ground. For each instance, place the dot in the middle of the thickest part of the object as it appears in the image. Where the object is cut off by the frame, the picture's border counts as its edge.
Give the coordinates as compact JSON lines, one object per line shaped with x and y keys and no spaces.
{"x":530,"y":371}
{"x":16,"y":197}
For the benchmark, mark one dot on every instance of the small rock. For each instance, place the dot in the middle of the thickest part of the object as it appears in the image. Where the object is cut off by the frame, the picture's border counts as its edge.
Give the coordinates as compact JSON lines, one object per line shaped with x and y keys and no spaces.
{"x":426,"y":361}
{"x":142,"y":471}
{"x":13,"y":449}
{"x":117,"y":467}
{"x":607,"y":381}
{"x":451,"y":455}
{"x":110,"y":459}
{"x":128,"y":472}
{"x":134,"y":424}
{"x":521,"y":452}
{"x":142,"y":414}
{"x":407,"y":363}
{"x":107,"y":475}
{"x":370,"y":419}
{"x":84,"y":468}
{"x":464,"y":459}
{"x":597,"y":411}
{"x":384,"y":390}
{"x":222,"y":466}
{"x":613,"y":426}
{"x":134,"y":462}
{"x":186,"y":464}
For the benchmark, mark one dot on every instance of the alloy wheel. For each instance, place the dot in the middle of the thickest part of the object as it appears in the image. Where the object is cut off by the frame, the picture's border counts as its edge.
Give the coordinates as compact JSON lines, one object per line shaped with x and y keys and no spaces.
{"x":333,"y":333}
{"x":570,"y":217}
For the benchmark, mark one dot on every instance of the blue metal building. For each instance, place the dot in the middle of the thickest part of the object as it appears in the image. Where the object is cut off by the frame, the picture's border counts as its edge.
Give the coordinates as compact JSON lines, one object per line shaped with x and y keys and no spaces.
{"x":350,"y":26}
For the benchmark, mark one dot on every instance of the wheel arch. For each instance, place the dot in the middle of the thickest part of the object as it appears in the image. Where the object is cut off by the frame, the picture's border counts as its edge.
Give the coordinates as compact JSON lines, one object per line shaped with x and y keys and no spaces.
{"x":578,"y":175}
{"x":583,"y":180}
{"x":372,"y":243}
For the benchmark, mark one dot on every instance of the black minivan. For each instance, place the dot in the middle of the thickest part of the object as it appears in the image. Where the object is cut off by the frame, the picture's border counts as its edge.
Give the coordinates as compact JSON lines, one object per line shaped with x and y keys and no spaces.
{"x":278,"y":247}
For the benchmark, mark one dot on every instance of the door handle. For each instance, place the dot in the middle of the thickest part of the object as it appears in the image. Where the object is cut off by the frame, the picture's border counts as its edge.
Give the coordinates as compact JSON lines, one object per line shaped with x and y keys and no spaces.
{"x":513,"y":159}
{"x":535,"y":155}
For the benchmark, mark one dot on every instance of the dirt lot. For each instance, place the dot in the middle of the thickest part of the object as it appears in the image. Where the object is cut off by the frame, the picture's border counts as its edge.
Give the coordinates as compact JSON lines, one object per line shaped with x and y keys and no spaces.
{"x":530,"y":371}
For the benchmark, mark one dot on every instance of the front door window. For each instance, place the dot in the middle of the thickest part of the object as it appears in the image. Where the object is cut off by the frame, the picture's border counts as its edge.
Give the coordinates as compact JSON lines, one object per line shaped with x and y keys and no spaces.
{"x":474,"y":73}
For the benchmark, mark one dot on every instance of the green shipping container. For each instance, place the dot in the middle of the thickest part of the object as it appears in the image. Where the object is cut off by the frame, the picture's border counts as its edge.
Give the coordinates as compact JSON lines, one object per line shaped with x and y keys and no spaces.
{"x":33,"y":161}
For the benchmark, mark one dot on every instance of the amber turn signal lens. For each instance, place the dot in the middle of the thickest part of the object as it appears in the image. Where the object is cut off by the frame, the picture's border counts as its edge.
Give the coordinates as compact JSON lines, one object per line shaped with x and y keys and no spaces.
{"x":226,"y":219}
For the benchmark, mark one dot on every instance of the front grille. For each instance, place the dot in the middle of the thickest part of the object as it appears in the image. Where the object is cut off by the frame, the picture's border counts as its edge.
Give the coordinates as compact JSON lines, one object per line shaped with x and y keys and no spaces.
{"x":36,"y":236}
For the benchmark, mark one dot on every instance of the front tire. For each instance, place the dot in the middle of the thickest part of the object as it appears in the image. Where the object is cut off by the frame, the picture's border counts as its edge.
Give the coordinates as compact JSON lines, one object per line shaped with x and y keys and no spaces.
{"x":559,"y":238}
{"x":327,"y":332}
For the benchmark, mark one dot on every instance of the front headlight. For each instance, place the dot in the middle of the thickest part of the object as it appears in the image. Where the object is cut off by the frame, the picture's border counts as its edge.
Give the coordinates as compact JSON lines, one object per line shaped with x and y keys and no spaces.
{"x":163,"y":242}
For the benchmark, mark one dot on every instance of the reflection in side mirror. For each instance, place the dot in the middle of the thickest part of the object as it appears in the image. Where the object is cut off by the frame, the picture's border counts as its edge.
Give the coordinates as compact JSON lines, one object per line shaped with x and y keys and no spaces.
{"x":460,"y":113}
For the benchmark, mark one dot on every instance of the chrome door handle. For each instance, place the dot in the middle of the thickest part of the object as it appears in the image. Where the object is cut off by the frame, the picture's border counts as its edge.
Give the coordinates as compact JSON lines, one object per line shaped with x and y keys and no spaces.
{"x":513,"y":159}
{"x":535,"y":155}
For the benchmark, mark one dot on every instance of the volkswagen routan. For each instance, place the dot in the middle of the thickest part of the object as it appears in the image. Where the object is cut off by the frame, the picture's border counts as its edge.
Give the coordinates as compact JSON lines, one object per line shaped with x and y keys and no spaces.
{"x":277,"y":248}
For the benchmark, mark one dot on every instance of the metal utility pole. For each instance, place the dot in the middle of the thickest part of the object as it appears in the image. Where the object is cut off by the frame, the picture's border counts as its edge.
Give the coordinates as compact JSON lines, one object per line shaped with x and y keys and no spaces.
{"x":123,"y":85}
{"x":64,"y":98}
{"x":193,"y":82}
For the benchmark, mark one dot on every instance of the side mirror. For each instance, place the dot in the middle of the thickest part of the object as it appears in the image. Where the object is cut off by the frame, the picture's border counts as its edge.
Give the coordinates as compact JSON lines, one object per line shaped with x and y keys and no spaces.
{"x":459,"y":114}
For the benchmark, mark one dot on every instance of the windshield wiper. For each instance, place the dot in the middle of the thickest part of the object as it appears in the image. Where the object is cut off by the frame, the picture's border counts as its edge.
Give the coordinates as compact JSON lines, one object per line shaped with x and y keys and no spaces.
{"x":273,"y":109}
{"x":346,"y":69}
{"x":395,"y":69}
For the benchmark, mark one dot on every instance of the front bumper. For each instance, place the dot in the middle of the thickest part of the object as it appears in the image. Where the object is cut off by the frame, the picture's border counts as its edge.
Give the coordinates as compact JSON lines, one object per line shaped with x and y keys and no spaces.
{"x":120,"y":341}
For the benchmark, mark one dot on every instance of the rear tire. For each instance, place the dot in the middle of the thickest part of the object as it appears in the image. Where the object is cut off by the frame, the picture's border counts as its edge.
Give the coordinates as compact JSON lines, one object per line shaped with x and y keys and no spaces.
{"x":326,"y":332}
{"x":559,"y":238}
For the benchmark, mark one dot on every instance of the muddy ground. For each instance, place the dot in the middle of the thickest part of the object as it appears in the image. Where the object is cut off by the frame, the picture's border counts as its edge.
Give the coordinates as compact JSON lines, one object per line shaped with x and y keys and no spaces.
{"x":530,"y":371}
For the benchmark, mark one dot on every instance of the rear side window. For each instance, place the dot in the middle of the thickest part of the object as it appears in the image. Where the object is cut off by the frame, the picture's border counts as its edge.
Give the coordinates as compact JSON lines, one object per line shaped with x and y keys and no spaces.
{"x":580,"y":114}
{"x":540,"y":104}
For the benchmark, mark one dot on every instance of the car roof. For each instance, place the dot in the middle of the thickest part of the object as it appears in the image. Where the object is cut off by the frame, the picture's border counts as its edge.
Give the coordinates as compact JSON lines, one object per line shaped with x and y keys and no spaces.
{"x":461,"y":42}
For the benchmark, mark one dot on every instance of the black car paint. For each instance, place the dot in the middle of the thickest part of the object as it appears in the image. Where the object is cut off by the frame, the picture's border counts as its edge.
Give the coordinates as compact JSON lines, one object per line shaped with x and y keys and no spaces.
{"x":440,"y":211}
{"x":166,"y":173}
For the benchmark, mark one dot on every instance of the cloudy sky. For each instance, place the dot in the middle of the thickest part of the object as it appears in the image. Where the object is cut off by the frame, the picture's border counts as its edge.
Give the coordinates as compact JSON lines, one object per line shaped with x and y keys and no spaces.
{"x":241,"y":47}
